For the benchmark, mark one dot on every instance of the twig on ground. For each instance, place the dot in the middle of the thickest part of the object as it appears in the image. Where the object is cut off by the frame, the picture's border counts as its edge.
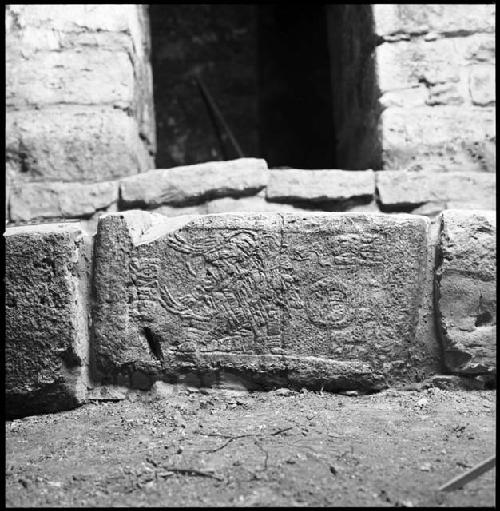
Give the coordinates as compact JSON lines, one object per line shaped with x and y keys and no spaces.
{"x":190,"y":472}
{"x":237,"y":437}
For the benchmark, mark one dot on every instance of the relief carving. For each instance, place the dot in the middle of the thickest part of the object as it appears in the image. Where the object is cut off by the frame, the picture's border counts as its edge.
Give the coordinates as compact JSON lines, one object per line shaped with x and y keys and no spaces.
{"x":327,"y":303}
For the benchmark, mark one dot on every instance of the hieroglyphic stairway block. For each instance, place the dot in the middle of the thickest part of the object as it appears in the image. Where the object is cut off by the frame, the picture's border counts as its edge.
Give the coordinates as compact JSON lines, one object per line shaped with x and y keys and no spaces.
{"x":316,"y":300}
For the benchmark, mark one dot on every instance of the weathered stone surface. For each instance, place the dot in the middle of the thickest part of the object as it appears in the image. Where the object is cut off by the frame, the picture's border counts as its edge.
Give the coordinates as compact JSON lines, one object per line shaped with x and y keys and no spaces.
{"x":74,"y":143}
{"x":482,"y":85}
{"x":87,"y":78}
{"x":30,"y":201}
{"x":181,"y":186}
{"x":440,"y":19}
{"x":46,"y":343}
{"x":28,"y":40}
{"x":428,"y":353}
{"x":247,"y":204}
{"x":79,"y":91}
{"x":406,"y":189}
{"x":443,"y":70}
{"x":466,"y":291}
{"x":351,"y":286}
{"x":446,"y":137}
{"x":304,"y":299}
{"x":319,"y":185}
{"x":432,"y":209}
{"x":78,"y":18}
{"x":435,"y":68}
{"x":200,"y":209}
{"x":255,"y":203}
{"x":31,"y":29}
{"x":84,"y":54}
{"x":370,"y":207}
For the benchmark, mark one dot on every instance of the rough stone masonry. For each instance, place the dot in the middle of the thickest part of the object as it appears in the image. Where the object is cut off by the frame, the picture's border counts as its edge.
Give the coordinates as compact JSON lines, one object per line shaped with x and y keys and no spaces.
{"x":339,"y":301}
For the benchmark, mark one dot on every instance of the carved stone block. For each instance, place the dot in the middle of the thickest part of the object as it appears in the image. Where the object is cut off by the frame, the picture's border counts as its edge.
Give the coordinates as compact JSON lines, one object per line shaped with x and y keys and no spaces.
{"x":318,"y":300}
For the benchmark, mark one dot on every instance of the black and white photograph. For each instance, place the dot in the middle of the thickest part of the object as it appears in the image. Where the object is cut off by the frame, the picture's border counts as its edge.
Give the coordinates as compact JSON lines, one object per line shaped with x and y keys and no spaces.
{"x":250,"y":255}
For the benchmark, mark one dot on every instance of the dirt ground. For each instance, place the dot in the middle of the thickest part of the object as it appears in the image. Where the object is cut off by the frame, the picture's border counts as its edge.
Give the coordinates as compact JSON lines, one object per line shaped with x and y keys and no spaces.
{"x":223,"y":448}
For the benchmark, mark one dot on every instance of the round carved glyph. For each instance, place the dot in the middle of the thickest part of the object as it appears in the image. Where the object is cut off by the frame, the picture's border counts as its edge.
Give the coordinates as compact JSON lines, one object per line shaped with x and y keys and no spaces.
{"x":327,"y":303}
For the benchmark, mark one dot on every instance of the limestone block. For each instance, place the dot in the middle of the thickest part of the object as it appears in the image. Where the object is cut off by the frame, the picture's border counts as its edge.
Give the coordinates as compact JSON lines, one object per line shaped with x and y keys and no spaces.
{"x":169,"y":211}
{"x":85,"y":77}
{"x":466,"y":291}
{"x":83,"y":54}
{"x":194,"y":183}
{"x":31,"y":39}
{"x":314,"y":299}
{"x":398,"y":189}
{"x":482,"y":85}
{"x":65,"y":200}
{"x":442,"y":66}
{"x":480,"y":49}
{"x":73,"y":64}
{"x":370,"y":207}
{"x":73,"y":18}
{"x":74,"y":143}
{"x":319,"y":185}
{"x":406,"y":97}
{"x":450,"y":138}
{"x":430,"y":209}
{"x":440,"y":19}
{"x":247,"y":204}
{"x":46,"y":336}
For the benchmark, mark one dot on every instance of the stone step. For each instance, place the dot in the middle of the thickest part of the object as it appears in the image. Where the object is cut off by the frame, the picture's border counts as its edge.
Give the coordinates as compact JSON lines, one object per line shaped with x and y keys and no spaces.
{"x":246,"y":185}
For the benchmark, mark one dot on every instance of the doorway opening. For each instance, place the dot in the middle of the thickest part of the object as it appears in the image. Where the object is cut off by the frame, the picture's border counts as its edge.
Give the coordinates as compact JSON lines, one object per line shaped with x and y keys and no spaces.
{"x":295,"y":86}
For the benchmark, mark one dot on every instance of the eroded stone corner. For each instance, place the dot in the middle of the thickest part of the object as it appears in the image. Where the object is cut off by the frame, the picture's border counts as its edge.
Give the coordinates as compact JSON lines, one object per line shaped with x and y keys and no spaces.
{"x":47,"y":344}
{"x":465,"y":282}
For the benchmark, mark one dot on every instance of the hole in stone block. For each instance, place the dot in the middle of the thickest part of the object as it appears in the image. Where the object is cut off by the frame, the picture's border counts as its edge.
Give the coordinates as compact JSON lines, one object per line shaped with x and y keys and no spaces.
{"x":483,"y":319}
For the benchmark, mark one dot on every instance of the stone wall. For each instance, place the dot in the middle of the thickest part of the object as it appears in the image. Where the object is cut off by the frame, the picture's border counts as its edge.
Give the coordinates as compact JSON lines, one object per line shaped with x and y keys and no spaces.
{"x":333,"y":301}
{"x":151,"y":297}
{"x":78,"y":94}
{"x":436,"y":74}
{"x":246,"y":184}
{"x":80,"y":103}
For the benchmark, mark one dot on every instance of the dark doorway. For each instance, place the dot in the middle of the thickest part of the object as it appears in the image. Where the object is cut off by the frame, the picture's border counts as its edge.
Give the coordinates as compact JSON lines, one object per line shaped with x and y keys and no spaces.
{"x":217,"y":44}
{"x":295,"y":107}
{"x":285,"y":80}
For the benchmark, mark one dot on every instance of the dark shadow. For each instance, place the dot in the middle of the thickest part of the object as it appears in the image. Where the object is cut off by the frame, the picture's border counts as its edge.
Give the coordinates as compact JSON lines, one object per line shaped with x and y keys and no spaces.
{"x":295,"y":84}
{"x":295,"y":98}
